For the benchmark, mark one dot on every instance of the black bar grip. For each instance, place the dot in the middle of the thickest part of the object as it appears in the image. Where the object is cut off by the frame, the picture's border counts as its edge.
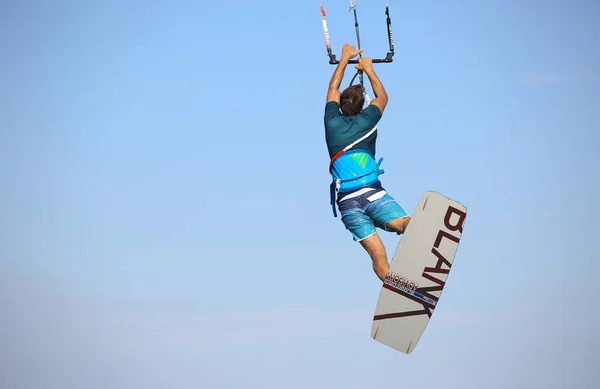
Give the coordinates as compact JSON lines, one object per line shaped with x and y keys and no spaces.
{"x":388,"y":59}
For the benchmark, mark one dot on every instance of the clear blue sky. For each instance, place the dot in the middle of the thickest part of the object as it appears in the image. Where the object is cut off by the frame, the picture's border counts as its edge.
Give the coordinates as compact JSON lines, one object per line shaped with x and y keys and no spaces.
{"x":164,"y":212}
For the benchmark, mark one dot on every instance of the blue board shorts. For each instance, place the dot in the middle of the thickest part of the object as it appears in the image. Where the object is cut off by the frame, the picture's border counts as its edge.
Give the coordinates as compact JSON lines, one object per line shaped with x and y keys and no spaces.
{"x":367,"y":209}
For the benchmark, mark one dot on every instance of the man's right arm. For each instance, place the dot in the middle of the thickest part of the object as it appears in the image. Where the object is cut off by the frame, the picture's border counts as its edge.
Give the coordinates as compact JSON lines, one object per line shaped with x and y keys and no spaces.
{"x":381,"y":97}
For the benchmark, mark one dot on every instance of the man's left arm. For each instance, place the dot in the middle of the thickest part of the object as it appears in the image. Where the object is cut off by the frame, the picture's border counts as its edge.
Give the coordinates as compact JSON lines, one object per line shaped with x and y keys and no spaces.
{"x":333,"y":93}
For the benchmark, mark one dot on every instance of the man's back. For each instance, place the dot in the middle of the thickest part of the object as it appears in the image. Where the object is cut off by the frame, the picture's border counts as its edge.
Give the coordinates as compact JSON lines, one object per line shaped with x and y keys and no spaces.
{"x":341,"y":131}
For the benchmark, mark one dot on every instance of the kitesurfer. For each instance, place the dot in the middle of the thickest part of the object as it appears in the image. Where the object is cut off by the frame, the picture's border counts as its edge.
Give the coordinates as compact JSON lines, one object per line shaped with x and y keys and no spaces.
{"x":351,"y":133}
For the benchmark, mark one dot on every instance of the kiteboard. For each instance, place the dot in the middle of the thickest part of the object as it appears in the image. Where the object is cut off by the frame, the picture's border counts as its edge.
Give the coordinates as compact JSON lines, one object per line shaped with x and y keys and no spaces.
{"x":418,"y":272}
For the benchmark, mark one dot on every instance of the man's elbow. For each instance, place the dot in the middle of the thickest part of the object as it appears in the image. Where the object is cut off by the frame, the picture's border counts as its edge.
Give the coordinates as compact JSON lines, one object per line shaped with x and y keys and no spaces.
{"x":384,"y":100}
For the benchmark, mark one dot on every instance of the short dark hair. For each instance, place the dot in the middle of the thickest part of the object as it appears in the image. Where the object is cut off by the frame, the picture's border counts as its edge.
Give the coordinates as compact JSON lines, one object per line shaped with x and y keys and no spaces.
{"x":352,"y":100}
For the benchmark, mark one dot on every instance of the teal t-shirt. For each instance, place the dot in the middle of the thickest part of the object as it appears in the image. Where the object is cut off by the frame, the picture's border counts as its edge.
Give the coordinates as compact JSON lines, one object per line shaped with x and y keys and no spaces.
{"x":340,"y":131}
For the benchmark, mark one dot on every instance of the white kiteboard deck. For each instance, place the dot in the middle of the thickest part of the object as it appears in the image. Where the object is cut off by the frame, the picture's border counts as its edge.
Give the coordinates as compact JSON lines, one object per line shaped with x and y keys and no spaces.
{"x":418,"y":272}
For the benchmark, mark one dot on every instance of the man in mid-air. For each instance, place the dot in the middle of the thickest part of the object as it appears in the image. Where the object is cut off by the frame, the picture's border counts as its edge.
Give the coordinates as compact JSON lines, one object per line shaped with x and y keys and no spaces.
{"x":363,"y":203}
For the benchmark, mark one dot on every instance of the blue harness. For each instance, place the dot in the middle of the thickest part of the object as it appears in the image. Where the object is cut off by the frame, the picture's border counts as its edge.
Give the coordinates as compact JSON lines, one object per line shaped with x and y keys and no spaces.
{"x":353,"y":170}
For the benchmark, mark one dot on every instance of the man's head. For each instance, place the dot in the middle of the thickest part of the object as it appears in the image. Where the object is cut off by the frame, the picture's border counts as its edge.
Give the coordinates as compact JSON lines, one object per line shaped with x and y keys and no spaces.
{"x":352,"y":100}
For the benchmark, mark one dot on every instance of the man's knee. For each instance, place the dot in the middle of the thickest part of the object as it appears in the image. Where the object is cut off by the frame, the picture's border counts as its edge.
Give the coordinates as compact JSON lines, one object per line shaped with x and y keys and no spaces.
{"x":398,"y":225}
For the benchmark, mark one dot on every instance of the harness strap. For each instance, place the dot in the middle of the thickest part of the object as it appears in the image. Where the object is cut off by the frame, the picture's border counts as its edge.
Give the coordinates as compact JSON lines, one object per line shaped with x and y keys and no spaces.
{"x":332,"y":190}
{"x":335,"y":184}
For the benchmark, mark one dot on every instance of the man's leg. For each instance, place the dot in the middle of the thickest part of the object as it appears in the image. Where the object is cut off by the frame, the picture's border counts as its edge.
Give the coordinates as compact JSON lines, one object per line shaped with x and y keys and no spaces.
{"x":363,"y":231}
{"x":387,"y":214}
{"x":376,"y":250}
